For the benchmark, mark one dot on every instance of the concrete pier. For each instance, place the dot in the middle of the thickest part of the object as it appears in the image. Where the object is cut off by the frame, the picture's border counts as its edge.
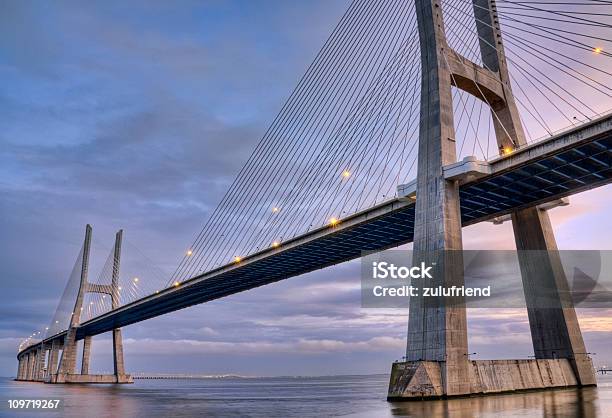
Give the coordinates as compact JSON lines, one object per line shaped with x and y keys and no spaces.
{"x":423,"y":380}
{"x":86,"y":355}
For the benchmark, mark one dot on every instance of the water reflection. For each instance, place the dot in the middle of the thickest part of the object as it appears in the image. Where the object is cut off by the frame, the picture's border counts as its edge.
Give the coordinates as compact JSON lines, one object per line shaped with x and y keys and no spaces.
{"x":355,"y":396}
{"x":574,"y":403}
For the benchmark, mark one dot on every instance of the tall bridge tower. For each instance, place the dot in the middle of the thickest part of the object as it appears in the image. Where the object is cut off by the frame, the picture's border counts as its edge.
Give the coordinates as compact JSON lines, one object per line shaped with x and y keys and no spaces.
{"x":437,"y":362}
{"x":66,"y":371}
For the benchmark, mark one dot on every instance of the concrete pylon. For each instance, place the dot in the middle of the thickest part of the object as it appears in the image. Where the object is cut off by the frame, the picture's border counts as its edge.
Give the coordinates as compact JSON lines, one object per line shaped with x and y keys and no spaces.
{"x":118,"y":364}
{"x":28,"y":364}
{"x":437,"y":363}
{"x":555,"y":331}
{"x":66,"y":372}
{"x":67,"y":364}
{"x":86,"y":355}
{"x":53,"y":357}
{"x":20,"y":365}
{"x":437,"y":335}
{"x":40,"y":362}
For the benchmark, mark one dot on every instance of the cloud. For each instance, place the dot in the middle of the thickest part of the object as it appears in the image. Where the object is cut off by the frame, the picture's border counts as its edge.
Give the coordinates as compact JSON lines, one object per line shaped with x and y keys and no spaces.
{"x":300,"y":346}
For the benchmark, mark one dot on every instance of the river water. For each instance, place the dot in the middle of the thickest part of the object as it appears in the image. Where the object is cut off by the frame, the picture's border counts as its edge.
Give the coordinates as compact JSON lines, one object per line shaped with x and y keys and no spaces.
{"x":346,"y":396}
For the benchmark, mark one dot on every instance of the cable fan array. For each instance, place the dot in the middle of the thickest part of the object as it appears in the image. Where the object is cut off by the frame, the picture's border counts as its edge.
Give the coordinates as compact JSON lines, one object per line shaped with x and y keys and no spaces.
{"x":348,"y":133}
{"x":558,"y":62}
{"x":342,"y":142}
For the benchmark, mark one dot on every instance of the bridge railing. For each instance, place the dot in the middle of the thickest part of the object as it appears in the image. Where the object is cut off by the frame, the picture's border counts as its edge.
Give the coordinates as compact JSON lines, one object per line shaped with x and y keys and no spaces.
{"x":552,"y":134}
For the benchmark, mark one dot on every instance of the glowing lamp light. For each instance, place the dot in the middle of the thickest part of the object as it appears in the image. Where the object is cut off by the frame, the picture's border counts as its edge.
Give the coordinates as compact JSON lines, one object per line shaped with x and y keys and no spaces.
{"x":597,"y":50}
{"x":275,"y":209}
{"x":237,"y":259}
{"x":275,"y":244}
{"x":57,"y":322}
{"x":189,"y":252}
{"x":507,"y":150}
{"x":157,"y":291}
{"x":334,"y":221}
{"x":346,"y":174}
{"x":136,"y":279}
{"x":176,"y":284}
{"x":119,"y":287}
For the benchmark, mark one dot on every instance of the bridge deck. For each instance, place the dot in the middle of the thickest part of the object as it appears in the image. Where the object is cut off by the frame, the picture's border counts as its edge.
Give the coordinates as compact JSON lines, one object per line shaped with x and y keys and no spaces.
{"x":562,"y":165}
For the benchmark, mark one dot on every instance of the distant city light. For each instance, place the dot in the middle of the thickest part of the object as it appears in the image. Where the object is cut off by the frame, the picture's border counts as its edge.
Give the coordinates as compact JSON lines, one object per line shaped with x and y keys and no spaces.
{"x":334,"y":221}
{"x":57,"y":322}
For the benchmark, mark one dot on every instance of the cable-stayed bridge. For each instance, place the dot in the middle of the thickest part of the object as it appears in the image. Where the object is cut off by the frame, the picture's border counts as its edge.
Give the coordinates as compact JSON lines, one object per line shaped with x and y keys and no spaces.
{"x":413,"y":120}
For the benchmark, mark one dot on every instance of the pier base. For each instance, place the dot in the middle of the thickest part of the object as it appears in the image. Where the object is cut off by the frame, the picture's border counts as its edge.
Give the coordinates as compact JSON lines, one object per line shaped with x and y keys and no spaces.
{"x":417,"y":380}
{"x":91,"y":378}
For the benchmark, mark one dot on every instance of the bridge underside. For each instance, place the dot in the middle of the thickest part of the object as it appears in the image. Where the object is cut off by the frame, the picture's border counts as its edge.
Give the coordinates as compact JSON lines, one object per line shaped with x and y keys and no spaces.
{"x":567,"y":164}
{"x":578,"y":161}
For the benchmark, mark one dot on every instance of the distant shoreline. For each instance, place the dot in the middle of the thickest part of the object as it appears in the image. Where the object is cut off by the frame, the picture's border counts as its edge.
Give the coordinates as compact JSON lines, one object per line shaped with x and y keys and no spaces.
{"x":154,"y":376}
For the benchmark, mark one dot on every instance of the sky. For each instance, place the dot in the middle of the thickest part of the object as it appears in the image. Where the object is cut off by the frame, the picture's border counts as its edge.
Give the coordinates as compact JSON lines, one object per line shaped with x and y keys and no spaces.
{"x":139,"y":117}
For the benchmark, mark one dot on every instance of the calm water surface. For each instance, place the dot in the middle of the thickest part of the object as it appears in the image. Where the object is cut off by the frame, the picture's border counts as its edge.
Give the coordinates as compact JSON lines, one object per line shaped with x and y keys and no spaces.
{"x":347,"y":396}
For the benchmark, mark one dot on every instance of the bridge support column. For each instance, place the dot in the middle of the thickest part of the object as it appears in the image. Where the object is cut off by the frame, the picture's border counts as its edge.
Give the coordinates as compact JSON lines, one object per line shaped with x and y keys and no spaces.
{"x":118,"y":364}
{"x":86,"y":355}
{"x":20,"y":369}
{"x":53,"y":355}
{"x":554,"y":328}
{"x":436,"y":354}
{"x":30,"y":373}
{"x":555,"y":331}
{"x":36,"y":365}
{"x":26,"y":361}
{"x":67,"y":364}
{"x":40,"y":362}
{"x":24,"y":367}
